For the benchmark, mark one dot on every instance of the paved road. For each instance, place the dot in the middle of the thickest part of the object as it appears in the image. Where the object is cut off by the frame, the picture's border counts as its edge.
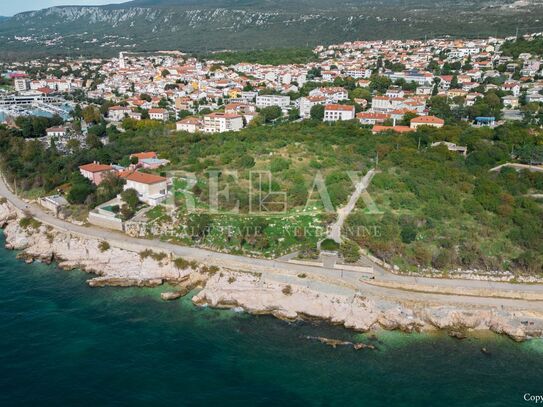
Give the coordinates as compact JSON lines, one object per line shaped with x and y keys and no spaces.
{"x":342,"y":280}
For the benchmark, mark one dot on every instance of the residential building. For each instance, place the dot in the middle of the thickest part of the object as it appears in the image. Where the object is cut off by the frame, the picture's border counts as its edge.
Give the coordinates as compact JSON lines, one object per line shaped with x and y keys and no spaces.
{"x":158,"y":114}
{"x":336,"y":112}
{"x":421,"y":78}
{"x":95,"y":172}
{"x":332,"y":94}
{"x":21,"y":84}
{"x":152,"y":189}
{"x":431,"y":121}
{"x":306,"y":103}
{"x":118,"y":113}
{"x":372,"y":118}
{"x":144,"y":155}
{"x":510,"y":101}
{"x":272,"y":100}
{"x":221,"y":122}
{"x":189,"y":124}
{"x":56,"y":131}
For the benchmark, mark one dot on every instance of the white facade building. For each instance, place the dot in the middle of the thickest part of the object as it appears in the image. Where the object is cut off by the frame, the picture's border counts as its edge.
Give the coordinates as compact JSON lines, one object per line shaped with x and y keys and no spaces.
{"x":306,"y":103}
{"x":21,"y":84}
{"x":151,"y":189}
{"x":272,"y":100}
{"x":334,"y":113}
{"x":221,"y":122}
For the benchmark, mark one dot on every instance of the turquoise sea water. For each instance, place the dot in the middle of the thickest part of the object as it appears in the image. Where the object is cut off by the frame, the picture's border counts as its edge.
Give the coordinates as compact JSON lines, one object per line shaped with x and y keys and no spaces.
{"x":65,"y":344}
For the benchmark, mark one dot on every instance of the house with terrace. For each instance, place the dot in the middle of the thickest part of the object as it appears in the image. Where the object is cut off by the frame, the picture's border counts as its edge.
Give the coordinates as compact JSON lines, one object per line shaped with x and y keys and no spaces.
{"x":152,"y":189}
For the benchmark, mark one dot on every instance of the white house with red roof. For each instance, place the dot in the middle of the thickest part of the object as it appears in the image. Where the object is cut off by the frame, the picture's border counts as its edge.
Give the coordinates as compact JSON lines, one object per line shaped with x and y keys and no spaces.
{"x":431,"y":121}
{"x":220,"y":122}
{"x":144,"y":155}
{"x":152,"y":189}
{"x":332,"y":94}
{"x":510,"y":86}
{"x":158,"y":114}
{"x":372,"y":118}
{"x":190,"y":124}
{"x":149,"y":160}
{"x":248,"y":111}
{"x":335,"y":112}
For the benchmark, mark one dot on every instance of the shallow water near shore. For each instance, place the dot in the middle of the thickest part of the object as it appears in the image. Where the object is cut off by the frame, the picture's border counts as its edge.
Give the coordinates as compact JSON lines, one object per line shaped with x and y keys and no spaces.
{"x":63,"y":343}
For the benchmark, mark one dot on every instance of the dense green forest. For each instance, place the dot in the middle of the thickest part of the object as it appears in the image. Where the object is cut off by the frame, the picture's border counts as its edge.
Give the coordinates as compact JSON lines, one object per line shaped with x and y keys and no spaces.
{"x":446,"y":211}
{"x":437,"y":208}
{"x":520,"y":46}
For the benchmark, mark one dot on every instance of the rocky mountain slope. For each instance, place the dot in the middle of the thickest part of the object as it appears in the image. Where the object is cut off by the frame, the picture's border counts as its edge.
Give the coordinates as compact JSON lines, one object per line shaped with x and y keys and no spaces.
{"x":192,"y":25}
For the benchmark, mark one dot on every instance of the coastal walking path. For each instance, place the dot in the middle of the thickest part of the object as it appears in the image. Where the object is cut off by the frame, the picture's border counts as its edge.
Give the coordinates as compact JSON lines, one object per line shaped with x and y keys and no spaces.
{"x":385,"y":283}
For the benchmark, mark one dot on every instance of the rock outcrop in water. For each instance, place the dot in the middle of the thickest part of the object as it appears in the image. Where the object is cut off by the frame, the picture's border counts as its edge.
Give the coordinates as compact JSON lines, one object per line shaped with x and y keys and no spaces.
{"x":361,"y":311}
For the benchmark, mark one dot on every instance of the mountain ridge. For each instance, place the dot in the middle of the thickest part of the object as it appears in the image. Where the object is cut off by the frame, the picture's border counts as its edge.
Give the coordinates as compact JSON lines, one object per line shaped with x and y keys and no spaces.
{"x":204,"y":25}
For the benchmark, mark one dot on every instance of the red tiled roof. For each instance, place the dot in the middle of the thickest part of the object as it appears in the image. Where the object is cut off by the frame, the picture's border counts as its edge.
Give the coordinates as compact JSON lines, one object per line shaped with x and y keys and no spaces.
{"x":124,"y":173}
{"x":190,"y":120}
{"x":220,"y":114}
{"x":45,"y":90}
{"x":345,"y":108}
{"x":428,"y":119}
{"x":143,"y":178}
{"x":369,"y":115}
{"x":94,"y":167}
{"x":143,"y":156}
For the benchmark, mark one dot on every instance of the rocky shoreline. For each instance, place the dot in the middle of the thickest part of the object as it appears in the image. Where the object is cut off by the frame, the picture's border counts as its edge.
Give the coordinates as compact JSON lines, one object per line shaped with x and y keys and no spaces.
{"x":223,"y":288}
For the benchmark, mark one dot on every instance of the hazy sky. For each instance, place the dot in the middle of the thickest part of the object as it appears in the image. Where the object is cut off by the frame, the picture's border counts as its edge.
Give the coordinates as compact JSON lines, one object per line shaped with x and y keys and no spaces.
{"x":9,"y":8}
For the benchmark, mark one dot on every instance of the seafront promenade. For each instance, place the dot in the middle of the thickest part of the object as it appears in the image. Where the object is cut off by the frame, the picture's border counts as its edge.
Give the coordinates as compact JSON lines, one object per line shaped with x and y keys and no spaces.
{"x":382,"y":282}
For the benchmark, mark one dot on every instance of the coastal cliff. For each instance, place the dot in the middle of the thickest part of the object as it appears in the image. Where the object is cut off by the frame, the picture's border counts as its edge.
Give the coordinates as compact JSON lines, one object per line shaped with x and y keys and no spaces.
{"x":113,"y":266}
{"x":285,"y":298}
{"x":360,"y":311}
